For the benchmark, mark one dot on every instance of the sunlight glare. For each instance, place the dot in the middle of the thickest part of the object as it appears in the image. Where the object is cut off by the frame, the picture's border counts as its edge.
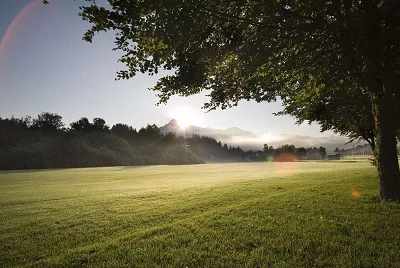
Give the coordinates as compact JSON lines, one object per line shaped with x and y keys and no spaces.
{"x":186,"y":117}
{"x":183,"y":124}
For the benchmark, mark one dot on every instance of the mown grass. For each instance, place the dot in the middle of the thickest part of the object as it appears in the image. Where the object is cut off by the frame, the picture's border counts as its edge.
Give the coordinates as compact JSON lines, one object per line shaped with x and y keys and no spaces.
{"x":304,"y":214}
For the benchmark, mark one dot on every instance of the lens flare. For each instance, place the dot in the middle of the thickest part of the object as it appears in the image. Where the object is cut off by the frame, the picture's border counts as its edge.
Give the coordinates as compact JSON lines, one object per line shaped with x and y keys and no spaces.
{"x":355,"y":194}
{"x":5,"y":40}
{"x":286,"y":164}
{"x":285,"y":157}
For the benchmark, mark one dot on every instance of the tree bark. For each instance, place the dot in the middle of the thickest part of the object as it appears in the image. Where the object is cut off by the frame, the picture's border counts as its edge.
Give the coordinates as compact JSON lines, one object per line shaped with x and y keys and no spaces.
{"x":386,"y":149}
{"x":380,"y":78}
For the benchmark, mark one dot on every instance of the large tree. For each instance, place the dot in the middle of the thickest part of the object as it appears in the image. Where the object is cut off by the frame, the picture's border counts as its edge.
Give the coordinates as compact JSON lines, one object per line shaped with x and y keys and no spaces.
{"x":347,"y":112}
{"x":48,"y":121}
{"x":249,"y":49}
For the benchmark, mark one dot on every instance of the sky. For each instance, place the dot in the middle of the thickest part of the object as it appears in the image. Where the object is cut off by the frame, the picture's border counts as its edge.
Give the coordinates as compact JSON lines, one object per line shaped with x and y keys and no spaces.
{"x":45,"y":66}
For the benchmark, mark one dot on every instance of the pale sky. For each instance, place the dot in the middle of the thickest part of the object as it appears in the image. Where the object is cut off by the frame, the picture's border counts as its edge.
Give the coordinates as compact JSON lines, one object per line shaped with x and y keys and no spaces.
{"x":46,"y":66}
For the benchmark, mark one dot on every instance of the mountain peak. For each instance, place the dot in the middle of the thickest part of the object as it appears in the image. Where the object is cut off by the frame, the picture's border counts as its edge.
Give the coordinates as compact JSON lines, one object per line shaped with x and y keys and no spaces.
{"x":235,"y":131}
{"x":234,"y":128}
{"x":235,"y":136}
{"x":219,"y":134}
{"x":173,"y":122}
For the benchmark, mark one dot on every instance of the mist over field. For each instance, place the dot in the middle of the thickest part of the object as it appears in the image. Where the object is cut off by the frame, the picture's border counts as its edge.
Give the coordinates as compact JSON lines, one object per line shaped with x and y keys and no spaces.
{"x":245,"y":139}
{"x":276,"y":140}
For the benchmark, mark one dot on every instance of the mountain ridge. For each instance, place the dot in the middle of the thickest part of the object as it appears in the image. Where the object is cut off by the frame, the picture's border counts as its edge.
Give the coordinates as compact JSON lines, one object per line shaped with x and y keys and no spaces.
{"x":247,"y":140}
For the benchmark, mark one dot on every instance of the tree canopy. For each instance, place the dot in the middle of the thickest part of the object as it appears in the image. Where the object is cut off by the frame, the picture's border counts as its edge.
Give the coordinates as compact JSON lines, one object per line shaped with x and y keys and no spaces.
{"x":27,"y":145}
{"x":251,"y":49}
{"x":48,"y":121}
{"x":263,"y":49}
{"x":346,"y":112}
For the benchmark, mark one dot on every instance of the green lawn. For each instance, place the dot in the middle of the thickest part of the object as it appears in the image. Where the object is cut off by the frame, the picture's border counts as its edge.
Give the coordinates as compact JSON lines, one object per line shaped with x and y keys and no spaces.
{"x":303,"y":214}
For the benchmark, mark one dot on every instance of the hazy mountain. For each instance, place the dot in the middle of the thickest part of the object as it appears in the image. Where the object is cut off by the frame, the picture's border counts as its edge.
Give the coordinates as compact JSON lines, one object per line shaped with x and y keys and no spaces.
{"x":237,"y":137}
{"x":218,"y":134}
{"x":276,"y":140}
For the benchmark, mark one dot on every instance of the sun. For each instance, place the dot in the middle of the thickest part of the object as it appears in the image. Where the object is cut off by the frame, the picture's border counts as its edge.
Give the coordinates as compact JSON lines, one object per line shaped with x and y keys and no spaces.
{"x":183,"y":124}
{"x":186,"y":117}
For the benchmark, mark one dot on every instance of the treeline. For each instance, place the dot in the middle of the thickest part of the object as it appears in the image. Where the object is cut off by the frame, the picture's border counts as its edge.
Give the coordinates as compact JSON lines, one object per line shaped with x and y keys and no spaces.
{"x":45,"y":142}
{"x":364,"y":149}
{"x":212,"y":150}
{"x":286,"y":153}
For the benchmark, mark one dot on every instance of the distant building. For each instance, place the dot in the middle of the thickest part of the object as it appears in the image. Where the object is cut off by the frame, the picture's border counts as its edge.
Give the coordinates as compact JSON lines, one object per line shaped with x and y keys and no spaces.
{"x":333,"y":156}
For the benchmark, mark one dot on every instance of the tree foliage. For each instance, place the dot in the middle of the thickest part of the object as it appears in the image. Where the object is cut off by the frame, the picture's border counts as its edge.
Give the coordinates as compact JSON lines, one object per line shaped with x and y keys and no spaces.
{"x":249,"y":49}
{"x":48,"y":121}
{"x":346,"y":112}
{"x":24,"y":145}
{"x":82,"y":124}
{"x":260,"y":50}
{"x":45,"y":143}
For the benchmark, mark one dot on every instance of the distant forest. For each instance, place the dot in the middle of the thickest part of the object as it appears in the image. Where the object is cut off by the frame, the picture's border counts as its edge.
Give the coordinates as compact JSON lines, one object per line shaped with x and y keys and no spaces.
{"x":45,"y":142}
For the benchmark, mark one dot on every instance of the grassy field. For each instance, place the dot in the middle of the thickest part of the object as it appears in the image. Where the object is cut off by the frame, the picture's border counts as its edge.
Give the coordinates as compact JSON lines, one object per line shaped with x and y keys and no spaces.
{"x":308,"y":214}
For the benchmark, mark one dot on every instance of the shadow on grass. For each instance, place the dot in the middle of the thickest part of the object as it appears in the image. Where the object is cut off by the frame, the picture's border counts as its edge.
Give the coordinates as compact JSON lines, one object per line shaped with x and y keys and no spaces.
{"x":117,"y":168}
{"x":31,"y":170}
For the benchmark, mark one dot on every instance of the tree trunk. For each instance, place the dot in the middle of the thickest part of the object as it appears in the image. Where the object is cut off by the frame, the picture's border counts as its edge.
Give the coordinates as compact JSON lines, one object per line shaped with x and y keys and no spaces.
{"x":386,"y":149}
{"x":381,"y":75}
